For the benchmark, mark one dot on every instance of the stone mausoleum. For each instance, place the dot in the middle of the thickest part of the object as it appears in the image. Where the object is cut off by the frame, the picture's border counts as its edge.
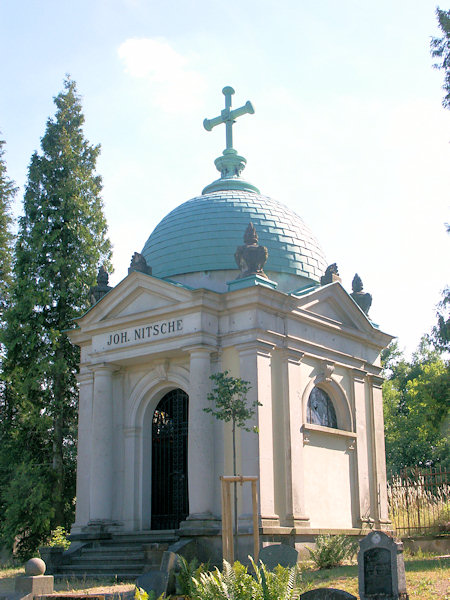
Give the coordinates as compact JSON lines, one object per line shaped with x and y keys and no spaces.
{"x":230,"y":280}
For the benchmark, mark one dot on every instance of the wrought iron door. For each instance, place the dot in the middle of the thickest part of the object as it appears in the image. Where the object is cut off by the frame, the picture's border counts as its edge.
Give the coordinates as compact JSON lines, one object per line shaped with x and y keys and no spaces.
{"x":169,"y":461}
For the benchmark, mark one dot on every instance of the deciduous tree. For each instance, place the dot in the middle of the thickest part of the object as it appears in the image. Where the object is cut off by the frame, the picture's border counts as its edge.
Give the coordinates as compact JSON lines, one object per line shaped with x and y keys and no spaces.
{"x":416,"y":398}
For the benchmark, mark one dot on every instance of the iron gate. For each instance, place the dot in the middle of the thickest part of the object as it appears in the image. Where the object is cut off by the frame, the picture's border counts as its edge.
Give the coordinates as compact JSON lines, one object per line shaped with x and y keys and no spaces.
{"x":169,"y":461}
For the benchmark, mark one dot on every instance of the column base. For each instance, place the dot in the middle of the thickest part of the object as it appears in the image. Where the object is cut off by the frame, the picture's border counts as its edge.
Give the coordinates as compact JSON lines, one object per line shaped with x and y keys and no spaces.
{"x":201,"y":524}
{"x":297,"y":521}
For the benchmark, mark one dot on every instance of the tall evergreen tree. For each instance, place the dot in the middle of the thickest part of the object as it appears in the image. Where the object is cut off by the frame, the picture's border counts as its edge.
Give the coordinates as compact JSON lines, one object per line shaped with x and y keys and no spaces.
{"x":440,"y":49}
{"x":7,"y":193}
{"x":61,"y":242}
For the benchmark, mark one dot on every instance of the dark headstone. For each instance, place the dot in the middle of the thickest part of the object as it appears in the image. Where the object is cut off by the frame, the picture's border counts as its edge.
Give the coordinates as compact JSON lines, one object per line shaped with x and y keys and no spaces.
{"x":278,"y":554}
{"x":381,"y":568}
{"x":155,"y":581}
{"x":327,"y":594}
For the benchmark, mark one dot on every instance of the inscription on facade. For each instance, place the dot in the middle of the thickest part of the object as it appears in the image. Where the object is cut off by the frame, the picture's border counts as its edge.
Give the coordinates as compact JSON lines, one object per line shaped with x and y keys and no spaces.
{"x":142,"y":333}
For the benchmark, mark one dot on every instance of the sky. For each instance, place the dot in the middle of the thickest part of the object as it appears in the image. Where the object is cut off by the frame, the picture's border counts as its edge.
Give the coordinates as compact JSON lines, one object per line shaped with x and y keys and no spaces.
{"x":348,"y":130}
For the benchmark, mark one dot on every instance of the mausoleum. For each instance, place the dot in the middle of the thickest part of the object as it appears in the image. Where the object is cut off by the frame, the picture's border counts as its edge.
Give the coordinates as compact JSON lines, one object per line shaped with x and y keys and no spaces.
{"x":230,"y":280}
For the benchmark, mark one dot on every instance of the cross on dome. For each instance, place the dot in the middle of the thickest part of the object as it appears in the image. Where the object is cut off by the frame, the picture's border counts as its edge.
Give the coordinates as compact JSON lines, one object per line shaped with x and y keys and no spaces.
{"x":229,"y":116}
{"x":230,"y":164}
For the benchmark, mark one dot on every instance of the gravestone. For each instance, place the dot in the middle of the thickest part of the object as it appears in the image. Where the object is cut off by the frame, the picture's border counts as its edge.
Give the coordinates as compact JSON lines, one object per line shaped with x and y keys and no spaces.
{"x":381,"y":568}
{"x":154,"y":581}
{"x":327,"y":594}
{"x":278,"y":554}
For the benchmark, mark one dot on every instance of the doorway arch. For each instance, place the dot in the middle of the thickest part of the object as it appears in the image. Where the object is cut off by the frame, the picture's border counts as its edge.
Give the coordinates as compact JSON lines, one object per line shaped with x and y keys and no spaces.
{"x":169,"y":490}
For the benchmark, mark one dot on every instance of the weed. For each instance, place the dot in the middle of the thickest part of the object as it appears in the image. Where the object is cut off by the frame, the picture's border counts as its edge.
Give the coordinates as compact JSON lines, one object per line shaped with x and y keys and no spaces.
{"x":332,"y":550}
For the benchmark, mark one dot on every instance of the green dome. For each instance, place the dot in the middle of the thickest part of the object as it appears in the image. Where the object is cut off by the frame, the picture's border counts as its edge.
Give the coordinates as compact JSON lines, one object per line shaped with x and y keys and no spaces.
{"x":203,"y":233}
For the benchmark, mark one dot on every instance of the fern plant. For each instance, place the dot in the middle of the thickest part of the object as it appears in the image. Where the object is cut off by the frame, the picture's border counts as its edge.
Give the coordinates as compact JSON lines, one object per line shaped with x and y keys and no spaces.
{"x":279,"y":584}
{"x":186,"y":574}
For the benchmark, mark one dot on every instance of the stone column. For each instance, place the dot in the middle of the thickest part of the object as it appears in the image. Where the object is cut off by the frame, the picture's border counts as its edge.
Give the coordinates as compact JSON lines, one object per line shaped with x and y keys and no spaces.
{"x":257,"y":449}
{"x":132,"y":492}
{"x":293,"y":442}
{"x":102,"y":473}
{"x":379,"y":452}
{"x":86,"y":388}
{"x":200,"y":436}
{"x":362,"y":421}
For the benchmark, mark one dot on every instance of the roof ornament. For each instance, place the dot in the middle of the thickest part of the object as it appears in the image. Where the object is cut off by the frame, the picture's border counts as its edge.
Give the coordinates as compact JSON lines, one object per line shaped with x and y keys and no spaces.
{"x":362,"y":299}
{"x":251,"y":257}
{"x":138,"y":263}
{"x":331,"y":275}
{"x":98,"y":291}
{"x":230,"y":164}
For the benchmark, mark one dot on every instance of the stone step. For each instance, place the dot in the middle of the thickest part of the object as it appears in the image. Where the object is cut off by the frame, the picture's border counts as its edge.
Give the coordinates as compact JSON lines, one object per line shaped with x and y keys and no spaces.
{"x":144,"y":538}
{"x":105,"y":578}
{"x":104,"y":569}
{"x":97,"y":559}
{"x":99,"y":553}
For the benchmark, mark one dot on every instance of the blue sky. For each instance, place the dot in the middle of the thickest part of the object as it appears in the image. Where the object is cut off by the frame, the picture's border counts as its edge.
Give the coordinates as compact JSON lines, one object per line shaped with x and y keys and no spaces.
{"x":348,"y":131}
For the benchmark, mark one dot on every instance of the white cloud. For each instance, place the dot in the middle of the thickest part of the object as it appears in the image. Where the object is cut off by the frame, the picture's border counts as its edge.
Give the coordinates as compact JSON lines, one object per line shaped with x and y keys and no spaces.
{"x":174,"y":85}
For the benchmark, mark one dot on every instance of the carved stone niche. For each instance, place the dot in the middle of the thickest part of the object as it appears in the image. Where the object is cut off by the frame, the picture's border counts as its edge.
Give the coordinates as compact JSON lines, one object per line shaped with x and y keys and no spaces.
{"x":251,"y":257}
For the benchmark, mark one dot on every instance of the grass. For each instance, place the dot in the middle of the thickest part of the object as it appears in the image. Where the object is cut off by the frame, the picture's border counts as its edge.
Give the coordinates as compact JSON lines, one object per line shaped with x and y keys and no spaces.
{"x":417,"y":507}
{"x":72,"y":585}
{"x":426,"y":579}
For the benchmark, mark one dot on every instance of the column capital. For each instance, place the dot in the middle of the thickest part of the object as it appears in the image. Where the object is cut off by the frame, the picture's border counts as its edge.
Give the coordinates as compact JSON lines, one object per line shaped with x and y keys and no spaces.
{"x":292,"y":355}
{"x":200,"y":349}
{"x":259,"y":347}
{"x":359,"y":375}
{"x":375,"y":381}
{"x":85,"y":377}
{"x":104,"y":368}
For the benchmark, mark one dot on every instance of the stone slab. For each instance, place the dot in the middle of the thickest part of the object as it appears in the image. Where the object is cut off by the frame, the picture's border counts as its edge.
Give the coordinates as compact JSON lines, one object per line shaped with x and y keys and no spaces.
{"x":38,"y":585}
{"x":155,"y":581}
{"x":278,"y":554}
{"x":327,"y":594}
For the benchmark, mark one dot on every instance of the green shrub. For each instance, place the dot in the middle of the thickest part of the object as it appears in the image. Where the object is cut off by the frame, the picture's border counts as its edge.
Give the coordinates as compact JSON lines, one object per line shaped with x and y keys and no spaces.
{"x":58,"y":537}
{"x":332,"y":550}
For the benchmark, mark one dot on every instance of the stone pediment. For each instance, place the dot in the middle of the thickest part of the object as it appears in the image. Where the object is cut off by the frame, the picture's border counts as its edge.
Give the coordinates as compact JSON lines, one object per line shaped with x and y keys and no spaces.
{"x":332,"y":304}
{"x":137,"y":294}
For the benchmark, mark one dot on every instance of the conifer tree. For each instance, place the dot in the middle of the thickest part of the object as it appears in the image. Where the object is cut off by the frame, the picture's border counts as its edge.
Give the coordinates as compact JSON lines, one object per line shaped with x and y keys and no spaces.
{"x":61,"y":242}
{"x":7,"y":193}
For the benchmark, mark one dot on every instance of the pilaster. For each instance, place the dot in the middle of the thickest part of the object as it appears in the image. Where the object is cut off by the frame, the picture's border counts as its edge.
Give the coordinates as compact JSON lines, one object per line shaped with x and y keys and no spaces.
{"x":379,"y":451}
{"x":363,"y":454}
{"x":293,"y":440}
{"x":102,"y":467}
{"x":257,"y":449}
{"x":200,"y":439}
{"x":86,"y":392}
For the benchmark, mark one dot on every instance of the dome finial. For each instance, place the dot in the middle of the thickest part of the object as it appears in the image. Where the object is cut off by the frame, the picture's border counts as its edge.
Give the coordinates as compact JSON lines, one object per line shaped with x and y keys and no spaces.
{"x":230,"y":164}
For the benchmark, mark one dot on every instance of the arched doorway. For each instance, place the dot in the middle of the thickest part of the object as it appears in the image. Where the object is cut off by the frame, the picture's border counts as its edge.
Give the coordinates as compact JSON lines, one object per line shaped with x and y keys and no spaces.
{"x":170,"y":503}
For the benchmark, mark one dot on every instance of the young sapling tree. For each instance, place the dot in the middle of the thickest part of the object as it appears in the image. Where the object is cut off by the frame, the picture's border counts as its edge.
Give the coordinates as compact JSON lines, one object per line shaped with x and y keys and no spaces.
{"x":230,"y":404}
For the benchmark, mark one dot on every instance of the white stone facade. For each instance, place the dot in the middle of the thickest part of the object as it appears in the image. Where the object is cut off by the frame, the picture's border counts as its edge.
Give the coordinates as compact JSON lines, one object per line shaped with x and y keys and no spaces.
{"x":148,"y":336}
